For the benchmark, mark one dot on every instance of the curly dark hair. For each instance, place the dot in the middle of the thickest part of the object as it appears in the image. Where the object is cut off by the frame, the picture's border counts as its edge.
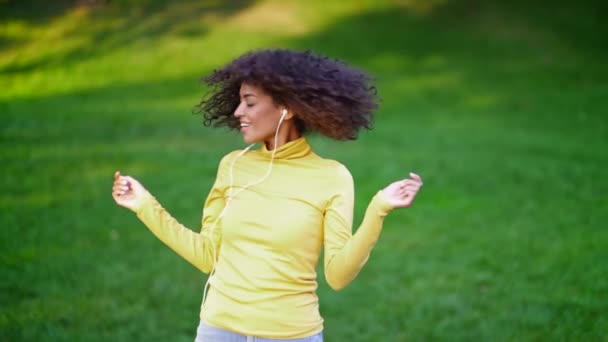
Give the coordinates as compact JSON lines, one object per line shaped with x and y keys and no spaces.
{"x":326,"y":95}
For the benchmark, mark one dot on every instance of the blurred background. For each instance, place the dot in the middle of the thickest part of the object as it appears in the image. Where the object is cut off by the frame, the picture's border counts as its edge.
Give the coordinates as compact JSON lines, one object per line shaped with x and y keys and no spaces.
{"x":501,"y":107}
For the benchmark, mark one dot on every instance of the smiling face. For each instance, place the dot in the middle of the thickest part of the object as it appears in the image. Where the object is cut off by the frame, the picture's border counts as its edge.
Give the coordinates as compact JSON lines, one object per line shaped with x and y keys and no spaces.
{"x":258,"y":115}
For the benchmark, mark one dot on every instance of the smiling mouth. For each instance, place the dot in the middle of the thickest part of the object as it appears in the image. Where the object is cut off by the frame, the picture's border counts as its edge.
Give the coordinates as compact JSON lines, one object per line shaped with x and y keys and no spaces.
{"x":244,"y":125}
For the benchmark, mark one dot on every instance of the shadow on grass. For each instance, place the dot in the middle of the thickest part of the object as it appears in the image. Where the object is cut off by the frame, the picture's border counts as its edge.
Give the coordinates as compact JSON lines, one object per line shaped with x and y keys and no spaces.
{"x":110,"y":26}
{"x":477,"y":56}
{"x":465,"y":28}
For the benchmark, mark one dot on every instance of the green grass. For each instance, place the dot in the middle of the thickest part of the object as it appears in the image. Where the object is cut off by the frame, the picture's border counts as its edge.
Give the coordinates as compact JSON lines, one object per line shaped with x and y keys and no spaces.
{"x":502,"y":107}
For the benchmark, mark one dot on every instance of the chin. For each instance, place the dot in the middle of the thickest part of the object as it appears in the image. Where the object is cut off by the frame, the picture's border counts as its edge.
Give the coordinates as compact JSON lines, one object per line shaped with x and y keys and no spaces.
{"x":250,"y":140}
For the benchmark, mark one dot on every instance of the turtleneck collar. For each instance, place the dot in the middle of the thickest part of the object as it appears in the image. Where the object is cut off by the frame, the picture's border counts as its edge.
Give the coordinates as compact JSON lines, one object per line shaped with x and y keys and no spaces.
{"x":292,"y":150}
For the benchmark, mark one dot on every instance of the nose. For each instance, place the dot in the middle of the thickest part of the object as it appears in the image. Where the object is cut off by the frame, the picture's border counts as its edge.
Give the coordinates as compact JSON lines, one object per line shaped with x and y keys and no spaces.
{"x":238,"y":112}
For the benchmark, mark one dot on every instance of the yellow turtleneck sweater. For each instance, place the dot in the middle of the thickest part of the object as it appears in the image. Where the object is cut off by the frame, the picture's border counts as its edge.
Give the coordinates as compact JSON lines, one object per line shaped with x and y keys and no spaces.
{"x":269,"y":239}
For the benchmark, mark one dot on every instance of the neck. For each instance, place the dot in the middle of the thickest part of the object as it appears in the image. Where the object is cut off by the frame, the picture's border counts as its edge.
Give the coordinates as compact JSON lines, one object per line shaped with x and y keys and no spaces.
{"x":288,"y":132}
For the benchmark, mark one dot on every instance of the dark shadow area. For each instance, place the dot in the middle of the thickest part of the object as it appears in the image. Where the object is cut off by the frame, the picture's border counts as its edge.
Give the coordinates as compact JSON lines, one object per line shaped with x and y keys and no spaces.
{"x":110,"y":25}
{"x":455,"y":27}
{"x":34,"y":11}
{"x":479,"y":55}
{"x":41,"y":11}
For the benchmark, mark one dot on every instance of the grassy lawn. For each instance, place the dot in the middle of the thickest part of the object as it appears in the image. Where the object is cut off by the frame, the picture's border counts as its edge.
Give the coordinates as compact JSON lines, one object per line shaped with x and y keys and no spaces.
{"x":502,"y":107}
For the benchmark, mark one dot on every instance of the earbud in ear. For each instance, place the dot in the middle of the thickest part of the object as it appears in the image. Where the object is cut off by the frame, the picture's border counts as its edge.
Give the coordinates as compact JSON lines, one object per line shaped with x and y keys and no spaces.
{"x":284,"y":112}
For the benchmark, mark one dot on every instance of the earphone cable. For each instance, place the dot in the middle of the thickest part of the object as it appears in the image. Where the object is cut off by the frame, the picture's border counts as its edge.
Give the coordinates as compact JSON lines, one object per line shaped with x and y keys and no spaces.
{"x":231,"y":196}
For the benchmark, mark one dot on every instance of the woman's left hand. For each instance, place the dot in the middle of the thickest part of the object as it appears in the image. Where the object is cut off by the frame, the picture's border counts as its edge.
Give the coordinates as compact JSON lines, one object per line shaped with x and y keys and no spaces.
{"x":401,"y":193}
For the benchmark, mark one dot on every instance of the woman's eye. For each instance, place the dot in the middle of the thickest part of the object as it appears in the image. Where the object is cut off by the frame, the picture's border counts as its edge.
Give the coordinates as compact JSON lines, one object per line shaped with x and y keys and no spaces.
{"x":250,"y":104}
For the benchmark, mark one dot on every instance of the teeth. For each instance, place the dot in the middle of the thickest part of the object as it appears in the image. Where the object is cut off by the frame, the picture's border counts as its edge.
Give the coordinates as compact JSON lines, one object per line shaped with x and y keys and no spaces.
{"x":244,"y":124}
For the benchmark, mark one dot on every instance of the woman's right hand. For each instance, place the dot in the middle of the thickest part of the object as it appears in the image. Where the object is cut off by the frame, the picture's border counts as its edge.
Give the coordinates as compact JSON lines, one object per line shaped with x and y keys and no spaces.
{"x":127,"y":191}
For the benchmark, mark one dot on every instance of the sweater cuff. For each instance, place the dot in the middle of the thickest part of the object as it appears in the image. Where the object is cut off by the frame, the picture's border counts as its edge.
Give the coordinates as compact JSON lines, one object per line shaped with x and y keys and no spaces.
{"x":381,"y":206}
{"x":146,"y":202}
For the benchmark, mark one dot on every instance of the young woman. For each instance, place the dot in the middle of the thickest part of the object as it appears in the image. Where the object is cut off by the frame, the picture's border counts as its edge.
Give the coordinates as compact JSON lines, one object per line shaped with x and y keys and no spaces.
{"x":272,"y":210}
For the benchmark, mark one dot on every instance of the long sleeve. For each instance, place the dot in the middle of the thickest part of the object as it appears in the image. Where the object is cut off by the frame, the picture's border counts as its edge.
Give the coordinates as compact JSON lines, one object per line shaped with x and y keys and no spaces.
{"x":345,"y":253}
{"x":199,"y":249}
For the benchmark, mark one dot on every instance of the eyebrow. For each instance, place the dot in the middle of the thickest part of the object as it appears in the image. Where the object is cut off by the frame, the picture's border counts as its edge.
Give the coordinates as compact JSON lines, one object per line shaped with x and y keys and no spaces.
{"x":247,"y":95}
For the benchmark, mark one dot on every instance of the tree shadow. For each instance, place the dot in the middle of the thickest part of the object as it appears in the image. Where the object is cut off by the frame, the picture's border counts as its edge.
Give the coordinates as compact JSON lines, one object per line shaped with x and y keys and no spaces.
{"x":110,"y":26}
{"x":480,"y":51}
{"x":457,"y":26}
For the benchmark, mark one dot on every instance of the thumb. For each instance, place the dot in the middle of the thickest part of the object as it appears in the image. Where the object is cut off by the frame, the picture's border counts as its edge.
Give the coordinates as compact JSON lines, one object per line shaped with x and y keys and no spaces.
{"x":116,"y":175}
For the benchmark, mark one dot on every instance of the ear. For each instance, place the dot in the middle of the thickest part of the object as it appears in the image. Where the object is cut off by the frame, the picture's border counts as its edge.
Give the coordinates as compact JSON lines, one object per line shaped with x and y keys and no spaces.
{"x":288,"y":113}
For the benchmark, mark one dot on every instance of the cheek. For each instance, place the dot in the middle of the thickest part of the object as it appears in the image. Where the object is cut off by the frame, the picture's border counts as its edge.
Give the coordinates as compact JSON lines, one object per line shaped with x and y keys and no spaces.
{"x":264,"y":119}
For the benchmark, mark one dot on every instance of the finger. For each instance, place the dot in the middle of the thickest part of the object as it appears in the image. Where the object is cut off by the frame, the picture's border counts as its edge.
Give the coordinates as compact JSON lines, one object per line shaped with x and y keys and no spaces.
{"x":411,"y":187}
{"x":408,"y":181}
{"x":122,"y":181}
{"x":119,"y":182}
{"x":408,"y":198}
{"x":416,"y":177}
{"x":120,"y":187}
{"x":405,"y":201}
{"x":411,"y":192}
{"x":118,"y":192}
{"x":129,"y":180}
{"x":411,"y":195}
